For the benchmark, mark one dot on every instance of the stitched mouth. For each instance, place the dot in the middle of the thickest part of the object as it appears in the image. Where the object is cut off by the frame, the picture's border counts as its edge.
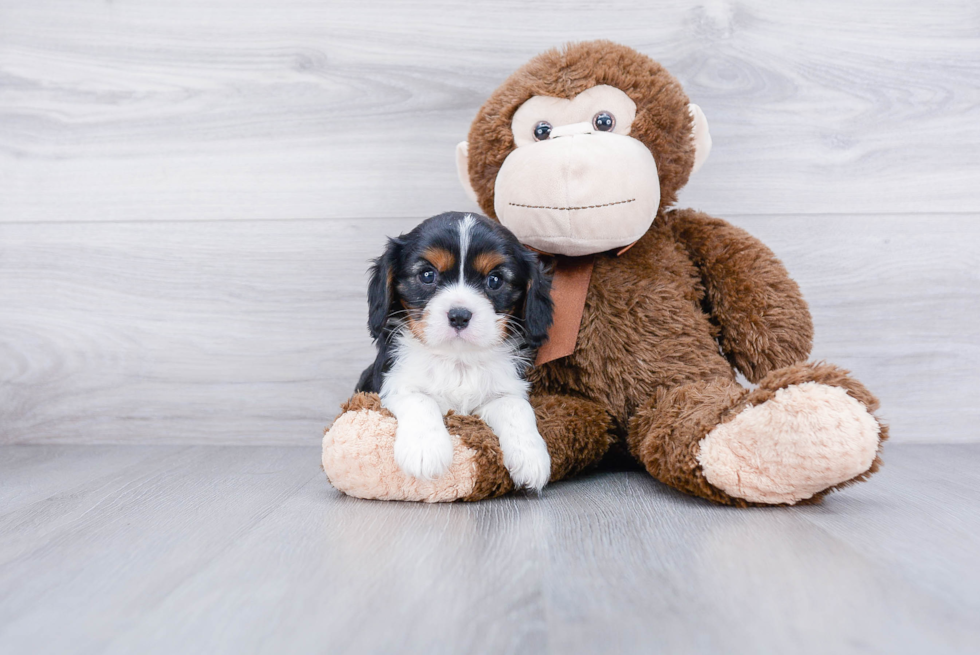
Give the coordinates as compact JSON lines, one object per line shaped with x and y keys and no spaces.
{"x":608,"y":204}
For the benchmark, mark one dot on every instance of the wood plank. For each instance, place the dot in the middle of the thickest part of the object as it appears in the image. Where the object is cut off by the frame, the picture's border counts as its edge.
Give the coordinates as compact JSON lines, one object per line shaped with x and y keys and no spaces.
{"x":61,"y":501}
{"x":924,"y":499}
{"x":182,"y":333}
{"x":253,"y":332}
{"x":636,"y":567}
{"x":30,"y":475}
{"x":246,"y":110}
{"x":232,"y":549}
{"x":91,"y":561}
{"x":364,"y":577}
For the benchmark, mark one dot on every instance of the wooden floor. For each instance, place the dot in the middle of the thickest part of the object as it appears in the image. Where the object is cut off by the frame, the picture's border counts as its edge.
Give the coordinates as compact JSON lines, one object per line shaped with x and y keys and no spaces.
{"x":212,"y":549}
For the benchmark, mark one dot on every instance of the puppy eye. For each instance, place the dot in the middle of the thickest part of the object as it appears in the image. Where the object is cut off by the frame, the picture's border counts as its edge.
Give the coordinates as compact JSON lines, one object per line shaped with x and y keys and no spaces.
{"x":604,"y":121}
{"x":542,"y":131}
{"x":427,"y":276}
{"x":494,"y":281}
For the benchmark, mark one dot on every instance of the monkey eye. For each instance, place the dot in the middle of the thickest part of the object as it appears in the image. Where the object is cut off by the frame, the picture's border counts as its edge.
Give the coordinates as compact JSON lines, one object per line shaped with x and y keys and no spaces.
{"x":604,"y":121}
{"x":494,"y":281}
{"x":542,"y":131}
{"x":428,"y":276}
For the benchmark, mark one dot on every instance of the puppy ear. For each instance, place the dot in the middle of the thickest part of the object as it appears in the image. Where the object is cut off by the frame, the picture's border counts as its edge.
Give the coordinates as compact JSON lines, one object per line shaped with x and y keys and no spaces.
{"x":381,"y":292}
{"x":537,"y":305}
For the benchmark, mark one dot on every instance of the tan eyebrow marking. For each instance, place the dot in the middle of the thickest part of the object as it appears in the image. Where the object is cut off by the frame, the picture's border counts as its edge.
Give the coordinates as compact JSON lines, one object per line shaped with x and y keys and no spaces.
{"x":441,"y":258}
{"x":487,"y":261}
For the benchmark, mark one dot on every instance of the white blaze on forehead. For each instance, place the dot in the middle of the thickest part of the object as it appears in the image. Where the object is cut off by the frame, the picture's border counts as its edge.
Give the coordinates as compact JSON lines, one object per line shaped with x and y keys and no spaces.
{"x":465,"y":226}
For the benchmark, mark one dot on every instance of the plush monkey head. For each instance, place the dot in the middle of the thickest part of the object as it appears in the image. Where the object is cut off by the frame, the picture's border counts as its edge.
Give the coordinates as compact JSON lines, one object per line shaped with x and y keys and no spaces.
{"x":579,"y":150}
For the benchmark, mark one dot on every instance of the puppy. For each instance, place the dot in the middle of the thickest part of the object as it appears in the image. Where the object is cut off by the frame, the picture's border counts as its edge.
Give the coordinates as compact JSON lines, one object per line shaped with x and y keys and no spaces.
{"x":457,"y":308}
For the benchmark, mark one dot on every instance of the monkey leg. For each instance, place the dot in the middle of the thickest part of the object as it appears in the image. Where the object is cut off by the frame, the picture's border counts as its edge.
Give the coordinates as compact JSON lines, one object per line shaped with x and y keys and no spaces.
{"x":358,"y":450}
{"x":577,"y":432}
{"x":807,"y":430}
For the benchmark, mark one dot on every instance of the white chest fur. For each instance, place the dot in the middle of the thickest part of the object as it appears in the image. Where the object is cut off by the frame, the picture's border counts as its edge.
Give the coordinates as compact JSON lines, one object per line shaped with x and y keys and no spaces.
{"x":457,"y":379}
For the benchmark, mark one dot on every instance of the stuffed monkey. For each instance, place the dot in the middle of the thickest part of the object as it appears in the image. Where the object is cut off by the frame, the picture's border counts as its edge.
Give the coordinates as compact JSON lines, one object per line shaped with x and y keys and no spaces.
{"x":581,"y":153}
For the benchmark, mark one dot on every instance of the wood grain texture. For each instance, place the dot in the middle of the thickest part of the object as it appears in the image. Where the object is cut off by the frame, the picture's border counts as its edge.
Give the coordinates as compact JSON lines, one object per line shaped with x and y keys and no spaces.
{"x":254,"y":331}
{"x":141,"y":303}
{"x":244,"y":549}
{"x":261,"y":110}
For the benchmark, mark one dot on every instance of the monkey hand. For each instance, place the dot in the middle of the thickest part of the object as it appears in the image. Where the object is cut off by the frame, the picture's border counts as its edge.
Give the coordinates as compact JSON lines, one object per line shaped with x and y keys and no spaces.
{"x":359,"y":457}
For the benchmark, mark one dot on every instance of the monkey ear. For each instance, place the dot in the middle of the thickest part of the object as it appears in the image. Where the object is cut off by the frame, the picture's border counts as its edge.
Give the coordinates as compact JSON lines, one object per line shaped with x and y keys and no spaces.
{"x":463,"y":169}
{"x":701,"y":136}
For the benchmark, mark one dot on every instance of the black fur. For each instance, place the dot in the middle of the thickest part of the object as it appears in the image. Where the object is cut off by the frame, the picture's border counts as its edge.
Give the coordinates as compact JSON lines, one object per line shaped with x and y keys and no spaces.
{"x":381,"y":295}
{"x":538,"y":308}
{"x":394,"y":287}
{"x":381,"y":301}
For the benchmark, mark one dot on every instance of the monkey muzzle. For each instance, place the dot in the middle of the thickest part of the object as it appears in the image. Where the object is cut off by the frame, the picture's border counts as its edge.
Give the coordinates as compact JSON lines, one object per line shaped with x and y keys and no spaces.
{"x":579,"y":191}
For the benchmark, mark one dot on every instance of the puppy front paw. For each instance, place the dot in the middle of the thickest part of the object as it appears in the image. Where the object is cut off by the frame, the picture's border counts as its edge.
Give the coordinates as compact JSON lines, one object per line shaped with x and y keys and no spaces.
{"x":528,"y":463}
{"x":423,"y":451}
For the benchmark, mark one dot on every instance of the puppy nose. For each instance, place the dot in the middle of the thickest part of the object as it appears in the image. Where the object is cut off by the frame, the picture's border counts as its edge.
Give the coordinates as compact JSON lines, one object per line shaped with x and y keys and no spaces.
{"x":459,"y":317}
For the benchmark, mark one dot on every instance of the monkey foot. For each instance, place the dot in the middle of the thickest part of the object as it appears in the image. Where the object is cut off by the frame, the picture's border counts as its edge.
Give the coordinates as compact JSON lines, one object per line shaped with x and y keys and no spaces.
{"x":804,"y":439}
{"x":359,"y":458}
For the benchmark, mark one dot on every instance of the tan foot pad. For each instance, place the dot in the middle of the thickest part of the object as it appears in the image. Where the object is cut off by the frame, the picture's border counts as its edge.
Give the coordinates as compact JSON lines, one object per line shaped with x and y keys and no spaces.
{"x":359,"y":459}
{"x":807,"y":438}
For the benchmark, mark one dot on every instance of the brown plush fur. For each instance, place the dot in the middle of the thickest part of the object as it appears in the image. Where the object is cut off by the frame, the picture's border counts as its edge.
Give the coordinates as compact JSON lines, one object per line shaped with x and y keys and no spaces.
{"x":666,"y":431}
{"x":764,"y":321}
{"x":492,"y":478}
{"x":666,"y":323}
{"x":648,"y":306}
{"x":361,"y":401}
{"x":578,"y":432}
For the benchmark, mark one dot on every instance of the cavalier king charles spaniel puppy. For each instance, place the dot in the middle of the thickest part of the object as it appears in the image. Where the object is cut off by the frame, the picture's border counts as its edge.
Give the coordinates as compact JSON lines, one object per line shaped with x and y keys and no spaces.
{"x":457,"y":308}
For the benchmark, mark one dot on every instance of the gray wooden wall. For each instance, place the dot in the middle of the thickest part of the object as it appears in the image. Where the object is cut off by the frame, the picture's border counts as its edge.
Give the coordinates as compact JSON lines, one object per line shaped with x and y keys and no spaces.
{"x":190,"y":190}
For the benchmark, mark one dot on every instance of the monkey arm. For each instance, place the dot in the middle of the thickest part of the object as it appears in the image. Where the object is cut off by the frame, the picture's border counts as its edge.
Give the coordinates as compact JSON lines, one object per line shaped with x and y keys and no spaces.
{"x":764,"y":322}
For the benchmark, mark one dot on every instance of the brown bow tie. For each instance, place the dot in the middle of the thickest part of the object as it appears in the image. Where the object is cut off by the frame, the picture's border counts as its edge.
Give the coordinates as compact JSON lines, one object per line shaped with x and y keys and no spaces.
{"x":569,"y":287}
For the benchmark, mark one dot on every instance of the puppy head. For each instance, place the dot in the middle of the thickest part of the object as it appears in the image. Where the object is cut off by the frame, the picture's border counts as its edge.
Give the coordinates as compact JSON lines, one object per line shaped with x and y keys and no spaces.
{"x":461,"y":282}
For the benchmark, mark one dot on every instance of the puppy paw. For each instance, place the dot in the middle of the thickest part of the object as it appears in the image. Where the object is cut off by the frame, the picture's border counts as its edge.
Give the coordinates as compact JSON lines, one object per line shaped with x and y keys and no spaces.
{"x":423,"y":451}
{"x":528,"y":463}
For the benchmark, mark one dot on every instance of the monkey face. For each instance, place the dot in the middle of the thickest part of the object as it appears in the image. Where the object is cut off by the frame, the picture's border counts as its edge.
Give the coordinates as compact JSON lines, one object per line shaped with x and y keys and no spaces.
{"x":577,"y":183}
{"x":578,"y":151}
